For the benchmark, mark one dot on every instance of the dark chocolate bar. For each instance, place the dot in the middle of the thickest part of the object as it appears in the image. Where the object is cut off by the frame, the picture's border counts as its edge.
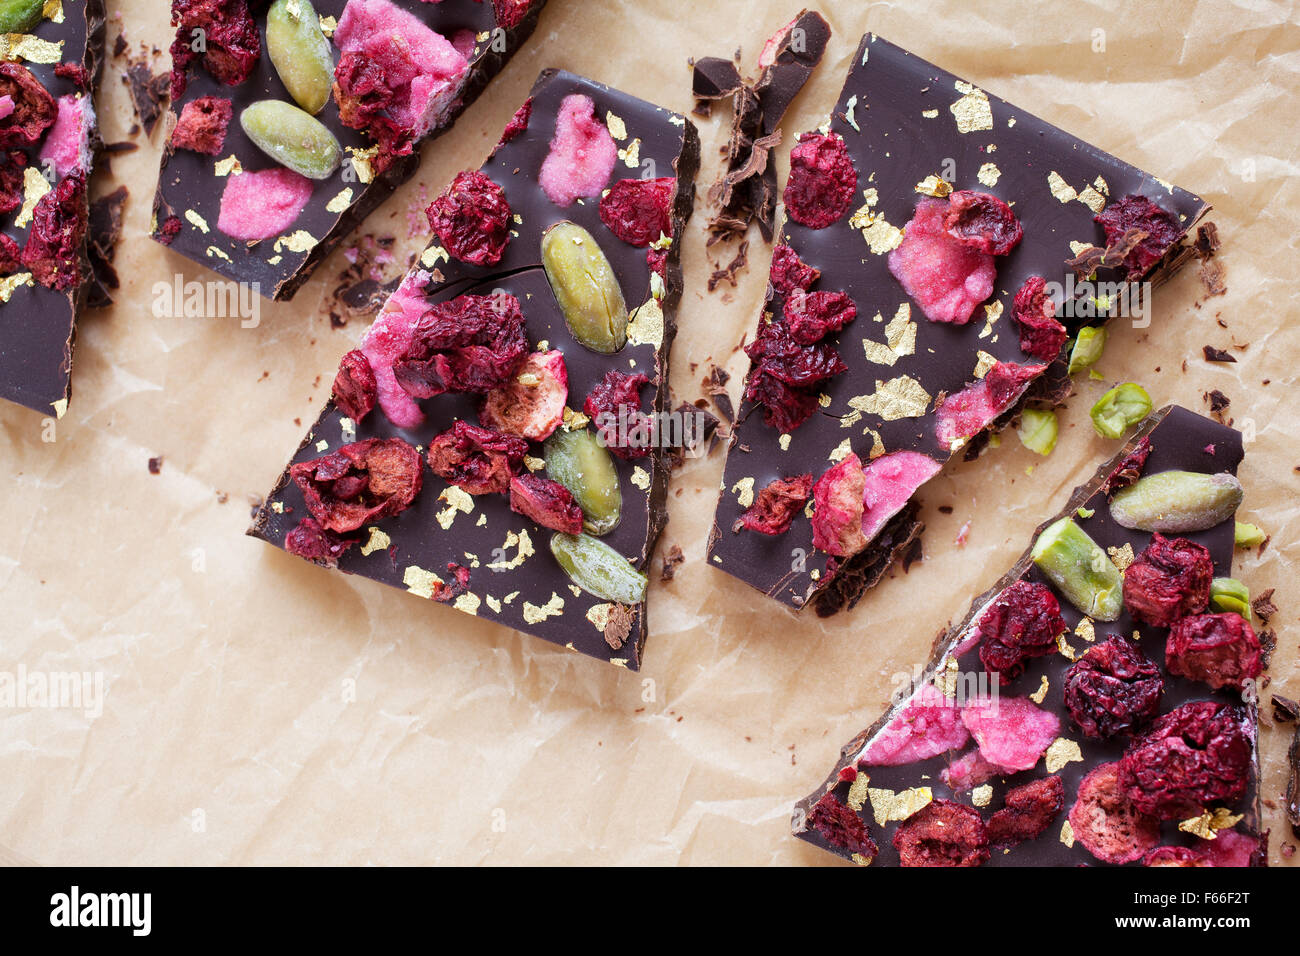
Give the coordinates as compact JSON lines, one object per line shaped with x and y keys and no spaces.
{"x":50,"y":65}
{"x":851,"y":368}
{"x":1040,"y":735}
{"x":458,"y":540}
{"x":460,"y":46}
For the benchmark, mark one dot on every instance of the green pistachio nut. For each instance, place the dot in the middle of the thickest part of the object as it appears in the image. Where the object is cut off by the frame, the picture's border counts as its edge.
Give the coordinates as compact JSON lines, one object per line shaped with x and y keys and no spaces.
{"x":1038,"y":430}
{"x":1248,"y":535}
{"x":1087,"y":348}
{"x":1229,"y":594}
{"x":292,"y":137}
{"x":1080,"y":569}
{"x":598,"y":569}
{"x":1176,"y":502}
{"x":585,"y":287}
{"x":1120,"y":409}
{"x":300,"y":52}
{"x":577,"y":460}
{"x":20,"y":16}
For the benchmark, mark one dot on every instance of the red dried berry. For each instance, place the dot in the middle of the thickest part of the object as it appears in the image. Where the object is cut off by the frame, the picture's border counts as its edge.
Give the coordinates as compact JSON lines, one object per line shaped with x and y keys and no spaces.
{"x":547,"y":502}
{"x":842,"y":827}
{"x":1028,"y":811}
{"x":34,"y":109}
{"x":822,"y":180}
{"x":472,"y":343}
{"x":811,"y":316}
{"x":966,"y":413}
{"x":1107,"y":823}
{"x":1175,"y":856}
{"x":838,"y":508}
{"x":942,"y":833}
{"x":982,"y":222}
{"x":1023,"y":622}
{"x":366,"y":97}
{"x":614,"y":404}
{"x":789,"y":272}
{"x":518,"y":123}
{"x":53,"y":252}
{"x":232,"y":44}
{"x":355,"y":389}
{"x":12,"y":164}
{"x":202,"y":124}
{"x":168,"y":231}
{"x":639,"y":211}
{"x":445,"y":592}
{"x":510,"y":13}
{"x":531,"y":404}
{"x":307,"y":539}
{"x":1220,"y":649}
{"x":780,"y":360}
{"x":1128,"y":471}
{"x":785,"y":407}
{"x":657,"y":260}
{"x":1041,"y":335}
{"x":1168,"y":580}
{"x":478,"y":460}
{"x":1195,"y":755}
{"x":1113,"y":689}
{"x":472,"y":219}
{"x":1139,"y":212}
{"x":364,"y":481}
{"x":10,"y":255}
{"x":777,"y":504}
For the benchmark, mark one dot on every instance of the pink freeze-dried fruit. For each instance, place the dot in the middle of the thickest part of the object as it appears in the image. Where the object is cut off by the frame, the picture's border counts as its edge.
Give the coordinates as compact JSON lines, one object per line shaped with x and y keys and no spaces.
{"x":472,"y":343}
{"x":307,"y":539}
{"x":67,"y":143}
{"x":1220,"y":649}
{"x":968,"y":412}
{"x":926,"y":726}
{"x":777,"y":504}
{"x":1138,"y":212}
{"x":838,"y":509}
{"x":1168,"y":580}
{"x":582,"y":154}
{"x":354,"y":386}
{"x":822,"y":181}
{"x":1195,"y":755}
{"x":889,"y":483}
{"x":231,"y":44}
{"x":472,"y":219}
{"x":789,"y":272}
{"x":811,"y":316}
{"x":982,"y":221}
{"x":1027,"y":813}
{"x":53,"y":249}
{"x":614,"y":404}
{"x":1113,"y":689}
{"x":32,"y":111}
{"x":1228,"y":849}
{"x":478,"y":460}
{"x":262,"y":204}
{"x":1023,"y":622}
{"x":841,"y":827}
{"x":202,"y":125}
{"x":361,"y":482}
{"x":547,"y":502}
{"x":945,"y":278}
{"x":1041,"y":335}
{"x":969,"y":771}
{"x":531,"y":404}
{"x":518,"y":124}
{"x":1108,"y":824}
{"x":1012,"y":732}
{"x":942,"y":833}
{"x":639,"y":211}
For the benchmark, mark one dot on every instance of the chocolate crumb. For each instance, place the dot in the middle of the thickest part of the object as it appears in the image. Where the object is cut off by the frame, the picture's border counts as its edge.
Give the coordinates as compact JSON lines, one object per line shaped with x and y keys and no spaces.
{"x":1285,"y":710}
{"x":672,"y":557}
{"x":1218,"y":355}
{"x":105,"y":230}
{"x":148,"y":93}
{"x":1267,"y":645}
{"x":155,"y":465}
{"x":728,"y":272}
{"x":1263,"y":605}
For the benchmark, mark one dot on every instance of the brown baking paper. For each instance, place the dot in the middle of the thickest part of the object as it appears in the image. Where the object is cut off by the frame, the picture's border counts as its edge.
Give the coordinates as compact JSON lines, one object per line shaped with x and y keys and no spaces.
{"x":257,"y":709}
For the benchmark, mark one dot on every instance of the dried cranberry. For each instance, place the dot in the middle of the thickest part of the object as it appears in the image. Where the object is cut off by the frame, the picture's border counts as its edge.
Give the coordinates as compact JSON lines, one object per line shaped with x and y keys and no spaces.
{"x":822,"y":180}
{"x":785,"y":408}
{"x":789,"y":272}
{"x":1220,"y":649}
{"x":1023,"y":622}
{"x":614,"y":404}
{"x":639,"y":211}
{"x":1195,"y":755}
{"x":842,"y":827}
{"x":1128,"y":471}
{"x":361,"y":482}
{"x":231,"y":44}
{"x":53,"y":251}
{"x":785,"y":373}
{"x":1108,"y":824}
{"x":1029,"y":810}
{"x":478,"y":460}
{"x":472,"y":219}
{"x":12,"y":164}
{"x":365,"y":97}
{"x":1041,"y":335}
{"x":531,"y":404}
{"x":518,"y":123}
{"x":547,"y":502}
{"x":1113,"y":689}
{"x":983,"y":222}
{"x":34,"y":109}
{"x":942,"y":833}
{"x":447,"y":591}
{"x":472,"y":343}
{"x":307,"y":539}
{"x":202,"y":124}
{"x":838,"y":509}
{"x":1170,"y":579}
{"x":10,"y":255}
{"x":510,"y":13}
{"x":355,"y":389}
{"x":811,"y":316}
{"x":777,"y":504}
{"x":1139,"y":212}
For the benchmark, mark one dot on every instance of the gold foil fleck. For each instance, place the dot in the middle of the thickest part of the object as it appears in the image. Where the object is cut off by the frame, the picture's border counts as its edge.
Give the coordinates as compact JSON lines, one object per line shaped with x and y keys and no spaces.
{"x":992,"y":313}
{"x":983,"y":362}
{"x":1067,"y":833}
{"x":378,"y":541}
{"x":362,"y":162}
{"x":841,"y":451}
{"x":1060,"y":753}
{"x":930,"y":114}
{"x":493,"y":603}
{"x":641,"y":478}
{"x":1101,"y":186}
{"x":35,"y":186}
{"x":9,"y":284}
{"x":525,"y":546}
{"x":298,"y":241}
{"x":534,"y":464}
{"x":945,"y":678}
{"x":24,"y":46}
{"x":419,"y":581}
{"x":230,"y":166}
{"x":901,"y":397}
{"x":340,"y":202}
{"x":197,"y":221}
{"x":1038,"y":696}
{"x":857,"y":798}
{"x":458,"y":501}
{"x":617,"y":128}
{"x":989,"y":174}
{"x":598,"y":615}
{"x":468,"y":602}
{"x":1064,"y":647}
{"x":933,"y":185}
{"x":900,"y":338}
{"x":887,"y":806}
{"x":328,"y":25}
{"x":784,"y":441}
{"x":1122,"y":557}
{"x":53,"y":10}
{"x":882,"y":237}
{"x":60,"y":407}
{"x":433,"y":255}
{"x":1086,"y":630}
{"x":574,"y":421}
{"x":534,"y":614}
{"x":849,"y":118}
{"x":744,"y":492}
{"x":646,"y":326}
{"x":1092,"y":199}
{"x":1062,"y":190}
{"x":631,"y":156}
{"x":972,"y":111}
{"x":981,"y":796}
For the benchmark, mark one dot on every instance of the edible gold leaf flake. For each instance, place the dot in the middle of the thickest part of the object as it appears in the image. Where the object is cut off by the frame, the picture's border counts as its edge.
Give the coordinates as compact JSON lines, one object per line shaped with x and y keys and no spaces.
{"x":322,"y":445}
{"x":1038,"y":695}
{"x":930,"y":114}
{"x":60,"y":407}
{"x":1086,"y":630}
{"x":900,"y":338}
{"x":598,"y":615}
{"x":1092,"y":199}
{"x":852,"y":105}
{"x":1060,"y":753}
{"x":841,"y":451}
{"x":348,"y":429}
{"x":1064,"y":647}
{"x":972,"y":111}
{"x":744,"y":492}
{"x":877,"y":444}
{"x":617,"y":128}
{"x":1207,"y":825}
{"x":632,"y":155}
{"x":640,"y":478}
{"x":857,"y":797}
{"x":1067,"y":833}
{"x":992,"y":313}
{"x":824,"y":400}
{"x":933,"y":185}
{"x":53,"y":10}
{"x":989,"y":174}
{"x":1122,"y":557}
{"x":981,"y":796}
{"x":574,"y":421}
{"x":230,"y":166}
{"x":340,"y":202}
{"x":1062,"y":190}
{"x":886,"y":805}
{"x":945,"y":678}
{"x":468,"y":602}
{"x":1101,"y":187}
{"x":9,"y":284}
{"x":298,"y":241}
{"x":901,"y":397}
{"x":784,"y":441}
{"x":35,"y":186}
{"x":534,"y":464}
{"x":525,"y":546}
{"x":646,"y":326}
{"x":433,"y":255}
{"x":419,"y":581}
{"x":197,"y":221}
{"x":493,"y":603}
{"x":458,"y":502}
{"x":858,"y":858}
{"x":378,"y":541}
{"x":24,"y":46}
{"x":881,"y":236}
{"x":1077,"y":247}
{"x":534,"y":614}
{"x":362,"y":162}
{"x":983,"y":362}
{"x":328,"y":25}
{"x":618,"y":661}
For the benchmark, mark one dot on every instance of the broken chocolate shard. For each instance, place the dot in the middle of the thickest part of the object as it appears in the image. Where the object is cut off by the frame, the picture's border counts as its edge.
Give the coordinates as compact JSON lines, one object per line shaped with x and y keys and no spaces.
{"x":148,"y":94}
{"x":1213,"y":354}
{"x":105,"y":231}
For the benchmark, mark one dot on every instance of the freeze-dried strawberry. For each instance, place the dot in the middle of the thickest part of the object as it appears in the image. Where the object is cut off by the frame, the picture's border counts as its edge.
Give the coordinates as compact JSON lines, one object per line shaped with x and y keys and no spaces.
{"x":777,"y":504}
{"x":822,"y":180}
{"x":10,"y":255}
{"x":614,"y":404}
{"x":169,"y":229}
{"x":1023,"y":622}
{"x":472,"y":219}
{"x":841,"y":827}
{"x":531,"y":404}
{"x":639,"y":211}
{"x":1168,"y":580}
{"x":1113,"y":689}
{"x":547,"y":502}
{"x":510,"y":13}
{"x":982,"y":221}
{"x":307,"y":539}
{"x":1107,"y":823}
{"x":1028,"y":811}
{"x":33,"y":108}
{"x":12,"y":164}
{"x":968,"y":412}
{"x":1012,"y":732}
{"x":1195,"y":755}
{"x":364,"y":481}
{"x":472,"y":343}
{"x":581,"y":156}
{"x":811,"y":316}
{"x":946,"y":278}
{"x":1228,"y":849}
{"x":478,"y":460}
{"x":789,"y":272}
{"x":202,"y":124}
{"x":926,"y":726}
{"x":969,"y":771}
{"x":355,"y":388}
{"x":53,"y":251}
{"x":942,"y":833}
{"x":518,"y":123}
{"x":838,"y":509}
{"x":1041,"y":335}
{"x":1138,"y":212}
{"x":1220,"y":649}
{"x":231,"y":43}
{"x":888,"y":485}
{"x":1128,"y":471}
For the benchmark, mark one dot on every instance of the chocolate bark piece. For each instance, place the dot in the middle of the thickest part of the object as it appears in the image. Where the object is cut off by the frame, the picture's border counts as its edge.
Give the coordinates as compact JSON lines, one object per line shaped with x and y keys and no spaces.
{"x":1179,"y":440}
{"x":527,"y":589}
{"x":921,"y":124}
{"x":37,"y":321}
{"x":190,"y":184}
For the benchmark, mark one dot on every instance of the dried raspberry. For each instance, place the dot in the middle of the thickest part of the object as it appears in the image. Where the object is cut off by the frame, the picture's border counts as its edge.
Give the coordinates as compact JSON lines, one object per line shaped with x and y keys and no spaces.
{"x":983,"y":222}
{"x":361,"y":482}
{"x":355,"y":389}
{"x":1108,"y":824}
{"x":1113,"y":689}
{"x":75,"y":73}
{"x":942,"y":833}
{"x":946,"y":278}
{"x":1023,"y":622}
{"x":614,"y":404}
{"x":307,"y":539}
{"x":12,"y":164}
{"x":822,"y":180}
{"x":53,"y":251}
{"x":1129,"y":470}
{"x":547,"y":502}
{"x":170,"y":228}
{"x":657,"y":260}
{"x":1012,"y":732}
{"x":232,"y":44}
{"x":789,"y":272}
{"x":1029,"y":810}
{"x":478,"y":460}
{"x":510,"y":13}
{"x":838,"y":508}
{"x":968,"y":412}
{"x":1041,"y":335}
{"x":445,"y":592}
{"x":1195,"y":755}
{"x":10,"y":255}
{"x":531,"y":404}
{"x":34,"y":109}
{"x":472,"y":343}
{"x":1139,"y":212}
{"x":202,"y":124}
{"x":927,"y":725}
{"x":518,"y":123}
{"x":842,"y":827}
{"x":472,"y":219}
{"x":1220,"y":649}
{"x":639,"y":211}
{"x":811,"y":316}
{"x":1170,"y":579}
{"x":777,"y":504}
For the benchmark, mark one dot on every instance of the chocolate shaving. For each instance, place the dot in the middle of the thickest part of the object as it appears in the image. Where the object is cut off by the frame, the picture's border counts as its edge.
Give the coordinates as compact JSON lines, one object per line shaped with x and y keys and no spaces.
{"x":1207,"y":240}
{"x":619,"y":625}
{"x":1263,"y":606}
{"x":672,"y":557}
{"x":1285,"y":710}
{"x":1211,"y":276}
{"x":715,"y":386}
{"x":105,"y":230}
{"x":1293,"y":784}
{"x":1218,"y":355}
{"x":1092,"y":258}
{"x":728,"y":272}
{"x":148,"y":93}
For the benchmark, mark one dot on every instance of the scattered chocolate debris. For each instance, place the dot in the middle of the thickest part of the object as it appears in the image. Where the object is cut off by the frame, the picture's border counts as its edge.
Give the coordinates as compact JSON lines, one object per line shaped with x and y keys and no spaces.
{"x":1218,"y":403}
{"x":728,"y":272}
{"x":155,"y":465}
{"x":1211,"y":275}
{"x":148,"y":93}
{"x":1207,"y":240}
{"x":715,"y":386}
{"x":1285,"y":710}
{"x":105,"y":230}
{"x":672,"y":557}
{"x":1293,"y":784}
{"x":1092,"y":258}
{"x":1218,"y":355}
{"x":1267,"y":645}
{"x":1263,"y":605}
{"x":619,"y":625}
